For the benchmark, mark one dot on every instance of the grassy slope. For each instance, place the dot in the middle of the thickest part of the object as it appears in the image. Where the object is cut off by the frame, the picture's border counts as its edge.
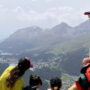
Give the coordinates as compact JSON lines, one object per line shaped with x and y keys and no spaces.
{"x":71,"y":53}
{"x":72,"y":45}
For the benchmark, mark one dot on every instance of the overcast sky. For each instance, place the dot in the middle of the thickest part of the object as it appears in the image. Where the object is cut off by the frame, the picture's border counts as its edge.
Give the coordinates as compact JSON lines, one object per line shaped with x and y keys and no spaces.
{"x":15,"y":14}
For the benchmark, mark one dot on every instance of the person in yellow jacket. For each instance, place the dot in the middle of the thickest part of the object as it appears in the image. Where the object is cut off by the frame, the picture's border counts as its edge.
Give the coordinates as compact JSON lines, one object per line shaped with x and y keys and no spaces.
{"x":11,"y":78}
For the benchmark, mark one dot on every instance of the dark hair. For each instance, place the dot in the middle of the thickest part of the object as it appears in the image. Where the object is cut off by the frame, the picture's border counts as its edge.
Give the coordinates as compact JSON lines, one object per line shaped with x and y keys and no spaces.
{"x":35,"y":80}
{"x":55,"y":83}
{"x":23,"y":64}
{"x":17,"y":72}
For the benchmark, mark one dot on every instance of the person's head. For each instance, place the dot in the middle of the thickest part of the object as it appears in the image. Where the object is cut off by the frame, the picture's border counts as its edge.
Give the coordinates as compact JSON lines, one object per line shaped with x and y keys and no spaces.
{"x":55,"y":83}
{"x":86,"y":64}
{"x":35,"y":81}
{"x":18,"y":71}
{"x":86,"y":61}
{"x":24,"y":64}
{"x":86,"y":69}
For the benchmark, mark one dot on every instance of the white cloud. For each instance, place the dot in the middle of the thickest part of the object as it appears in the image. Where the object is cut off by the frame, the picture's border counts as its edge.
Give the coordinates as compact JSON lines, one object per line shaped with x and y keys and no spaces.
{"x":3,"y":9}
{"x":45,"y":13}
{"x":43,"y":0}
{"x":52,"y":16}
{"x":33,"y":0}
{"x":49,"y":0}
{"x":20,"y":17}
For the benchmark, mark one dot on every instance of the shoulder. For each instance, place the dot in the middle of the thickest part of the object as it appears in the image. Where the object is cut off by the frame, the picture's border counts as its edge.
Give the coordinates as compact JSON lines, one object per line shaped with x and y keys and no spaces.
{"x":9,"y":68}
{"x":6,"y":71}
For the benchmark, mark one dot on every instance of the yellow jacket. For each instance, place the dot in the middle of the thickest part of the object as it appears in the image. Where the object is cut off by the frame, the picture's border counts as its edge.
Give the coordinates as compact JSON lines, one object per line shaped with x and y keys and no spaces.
{"x":19,"y":84}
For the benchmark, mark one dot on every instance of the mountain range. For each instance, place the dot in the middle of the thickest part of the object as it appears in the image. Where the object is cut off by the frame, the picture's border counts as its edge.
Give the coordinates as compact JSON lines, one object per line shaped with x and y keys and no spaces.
{"x":61,"y":44}
{"x":35,"y":37}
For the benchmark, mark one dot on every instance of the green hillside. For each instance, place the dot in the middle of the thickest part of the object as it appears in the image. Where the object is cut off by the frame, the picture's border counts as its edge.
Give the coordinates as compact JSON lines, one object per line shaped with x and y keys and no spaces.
{"x":82,"y":41}
{"x":71,"y":53}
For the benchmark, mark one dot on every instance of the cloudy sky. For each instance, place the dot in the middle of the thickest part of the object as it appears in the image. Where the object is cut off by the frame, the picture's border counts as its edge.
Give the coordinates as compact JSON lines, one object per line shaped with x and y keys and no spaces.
{"x":15,"y":14}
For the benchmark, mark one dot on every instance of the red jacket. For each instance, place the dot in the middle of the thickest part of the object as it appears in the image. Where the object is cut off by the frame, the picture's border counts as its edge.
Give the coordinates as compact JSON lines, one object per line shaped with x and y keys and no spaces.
{"x":79,"y":87}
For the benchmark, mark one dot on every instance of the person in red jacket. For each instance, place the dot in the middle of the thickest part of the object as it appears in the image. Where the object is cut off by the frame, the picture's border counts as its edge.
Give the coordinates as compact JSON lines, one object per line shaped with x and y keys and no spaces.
{"x":83,"y":82}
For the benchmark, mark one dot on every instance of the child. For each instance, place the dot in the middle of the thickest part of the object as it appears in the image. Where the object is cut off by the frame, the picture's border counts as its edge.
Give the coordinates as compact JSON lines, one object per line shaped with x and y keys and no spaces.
{"x":35,"y":83}
{"x":55,"y":83}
